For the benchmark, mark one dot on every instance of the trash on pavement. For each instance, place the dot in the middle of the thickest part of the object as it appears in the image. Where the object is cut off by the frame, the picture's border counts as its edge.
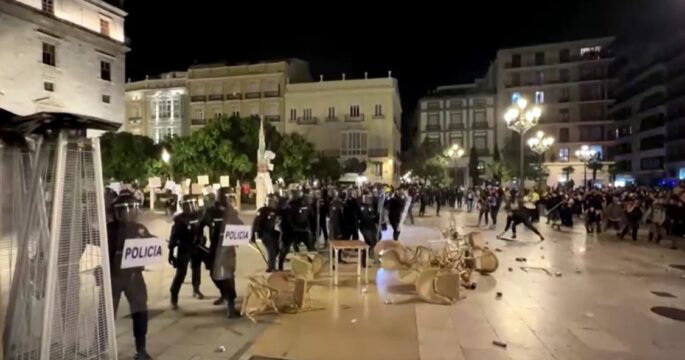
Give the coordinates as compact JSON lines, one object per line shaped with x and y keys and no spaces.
{"x":220,"y":349}
{"x":520,"y":259}
{"x":353,"y":321}
{"x":510,"y":269}
{"x":499,"y":295}
{"x":557,"y":274}
{"x":499,"y":343}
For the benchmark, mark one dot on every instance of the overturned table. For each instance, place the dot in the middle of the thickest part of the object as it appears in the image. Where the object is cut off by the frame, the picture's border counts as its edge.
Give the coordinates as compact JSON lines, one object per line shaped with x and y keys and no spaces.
{"x":334,"y":247}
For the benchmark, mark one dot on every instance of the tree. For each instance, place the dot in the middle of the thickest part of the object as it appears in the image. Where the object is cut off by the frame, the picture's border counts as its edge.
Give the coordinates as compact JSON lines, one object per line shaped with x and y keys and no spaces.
{"x":294,"y":158}
{"x":495,"y":154}
{"x":353,"y":165}
{"x":474,"y":171}
{"x":595,"y":165}
{"x":426,"y":162}
{"x":568,"y":171}
{"x":326,"y":168}
{"x":511,"y":158}
{"x":126,"y":157}
{"x":499,"y":171}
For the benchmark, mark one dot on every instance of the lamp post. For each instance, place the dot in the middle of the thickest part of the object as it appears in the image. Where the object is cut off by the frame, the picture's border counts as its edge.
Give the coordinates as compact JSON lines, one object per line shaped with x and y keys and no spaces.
{"x":540,"y":143}
{"x":585,"y":154}
{"x":455,"y":153}
{"x":521,"y":117}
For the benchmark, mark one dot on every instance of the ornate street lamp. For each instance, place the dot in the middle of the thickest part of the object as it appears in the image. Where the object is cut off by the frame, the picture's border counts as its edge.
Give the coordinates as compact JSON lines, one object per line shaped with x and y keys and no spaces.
{"x":540,"y":143}
{"x":455,"y":153}
{"x":585,"y":154}
{"x":521,"y":117}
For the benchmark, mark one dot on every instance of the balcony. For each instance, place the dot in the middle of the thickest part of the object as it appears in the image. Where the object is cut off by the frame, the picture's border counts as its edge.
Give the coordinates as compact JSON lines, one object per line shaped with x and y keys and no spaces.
{"x":234,"y":96}
{"x":198,"y":122}
{"x":218,"y":97}
{"x":588,"y":56}
{"x":135,"y":120}
{"x":378,"y":116}
{"x":592,"y":97}
{"x":454,"y":126}
{"x":330,"y":153}
{"x":433,"y":127}
{"x":564,"y":99}
{"x":652,"y":122}
{"x":357,"y":118}
{"x":332,"y":118}
{"x":198,"y":98}
{"x":483,"y":152}
{"x":308,"y":120}
{"x":253,"y":95}
{"x":480,"y":125}
{"x":272,"y":118}
{"x":271,"y":94}
{"x":378,"y":152}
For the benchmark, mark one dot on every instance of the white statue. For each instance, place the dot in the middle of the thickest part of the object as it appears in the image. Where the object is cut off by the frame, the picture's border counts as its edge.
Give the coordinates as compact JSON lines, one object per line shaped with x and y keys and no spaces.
{"x":264,"y":165}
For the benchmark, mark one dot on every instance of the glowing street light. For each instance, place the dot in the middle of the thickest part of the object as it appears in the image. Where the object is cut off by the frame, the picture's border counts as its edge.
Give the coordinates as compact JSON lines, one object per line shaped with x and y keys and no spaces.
{"x":166,"y":157}
{"x":540,"y":143}
{"x":585,"y":154}
{"x":520,"y":118}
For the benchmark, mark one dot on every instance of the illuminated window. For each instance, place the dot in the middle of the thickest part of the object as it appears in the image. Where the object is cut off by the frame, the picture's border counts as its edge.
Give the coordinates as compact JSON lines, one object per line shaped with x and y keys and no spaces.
{"x":539,"y":97}
{"x":563,"y":154}
{"x":199,"y":114}
{"x":681,"y":174}
{"x":377,"y":169}
{"x":104,"y":27}
{"x":564,"y":114}
{"x":515,"y":96}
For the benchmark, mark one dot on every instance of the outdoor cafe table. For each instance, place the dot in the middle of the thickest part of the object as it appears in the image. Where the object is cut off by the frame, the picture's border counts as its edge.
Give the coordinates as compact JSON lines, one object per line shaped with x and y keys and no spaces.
{"x":334,"y":247}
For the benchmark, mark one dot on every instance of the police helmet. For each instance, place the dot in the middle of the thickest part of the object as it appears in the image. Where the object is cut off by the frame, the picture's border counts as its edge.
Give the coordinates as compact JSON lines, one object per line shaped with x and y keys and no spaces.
{"x":189,"y":205}
{"x":272,"y":201}
{"x":125,"y":208}
{"x":367,"y":198}
{"x":223,"y":196}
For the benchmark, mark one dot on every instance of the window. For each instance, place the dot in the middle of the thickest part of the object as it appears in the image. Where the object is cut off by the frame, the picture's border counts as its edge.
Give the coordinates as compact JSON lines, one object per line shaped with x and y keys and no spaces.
{"x":104,"y":27}
{"x":433,"y":139}
{"x":307,"y":114}
{"x":515,"y":96}
{"x":331,"y":112}
{"x":481,"y":166}
{"x":293,"y":114}
{"x":539,"y":77}
{"x":539,"y":58}
{"x":163,"y":109}
{"x":591,"y":133}
{"x":563,"y":154}
{"x":105,"y":71}
{"x":200,"y":114}
{"x":515,"y":79}
{"x":48,"y":86}
{"x":652,"y":163}
{"x":456,"y":103}
{"x":433,"y":105}
{"x":480,"y":102}
{"x":456,"y":138}
{"x":354,"y":111}
{"x":564,"y":115}
{"x":176,"y":108}
{"x":433,"y":121}
{"x":106,"y":99}
{"x":49,"y":6}
{"x":354,"y":143}
{"x":590,"y":52}
{"x":480,"y":141}
{"x":564,"y":55}
{"x":479,"y":117}
{"x":217,"y":114}
{"x":539,"y":97}
{"x":564,"y":75}
{"x":516,"y":60}
{"x":49,"y":55}
{"x":377,"y":169}
{"x":563,"y":135}
{"x":598,"y":150}
{"x":565,"y":95}
{"x":235,"y":113}
{"x":456,"y":121}
{"x":378,"y":110}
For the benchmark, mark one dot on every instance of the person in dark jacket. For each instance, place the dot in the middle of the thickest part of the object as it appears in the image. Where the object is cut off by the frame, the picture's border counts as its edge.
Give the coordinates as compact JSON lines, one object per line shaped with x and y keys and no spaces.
{"x":519,"y":217}
{"x":351,"y":218}
{"x":185,"y":236}
{"x":264,"y":226}
{"x":395,"y":209}
{"x":368,"y":223}
{"x":633,"y":215}
{"x":213,"y":218}
{"x":336,"y":216}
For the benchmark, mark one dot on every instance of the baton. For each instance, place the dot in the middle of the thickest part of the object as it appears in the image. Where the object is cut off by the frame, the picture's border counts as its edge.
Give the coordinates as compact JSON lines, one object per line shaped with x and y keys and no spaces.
{"x":256,"y":247}
{"x":554,"y":207}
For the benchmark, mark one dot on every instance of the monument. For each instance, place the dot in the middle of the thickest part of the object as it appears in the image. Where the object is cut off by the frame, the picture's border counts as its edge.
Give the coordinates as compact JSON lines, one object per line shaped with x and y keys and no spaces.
{"x":264,"y":166}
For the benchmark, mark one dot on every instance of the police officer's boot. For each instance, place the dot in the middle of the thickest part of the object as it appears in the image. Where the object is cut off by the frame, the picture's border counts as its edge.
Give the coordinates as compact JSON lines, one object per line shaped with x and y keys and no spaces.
{"x":174,"y":302}
{"x":232,"y":313}
{"x":198,"y":295}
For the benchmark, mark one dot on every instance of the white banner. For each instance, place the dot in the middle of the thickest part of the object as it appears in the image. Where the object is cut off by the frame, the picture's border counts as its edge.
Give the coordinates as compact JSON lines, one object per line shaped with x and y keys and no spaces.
{"x":224,"y":181}
{"x":203,"y":180}
{"x":235,"y":235}
{"x":155,"y":182}
{"x":141,"y":252}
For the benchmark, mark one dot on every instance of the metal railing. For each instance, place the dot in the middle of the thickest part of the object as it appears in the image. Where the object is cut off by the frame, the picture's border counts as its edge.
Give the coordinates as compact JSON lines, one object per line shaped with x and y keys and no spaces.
{"x":253,"y":95}
{"x":272,"y":93}
{"x":198,"y":122}
{"x":272,"y":118}
{"x":198,"y":98}
{"x":234,"y":96}
{"x":351,"y":118}
{"x":308,"y":120}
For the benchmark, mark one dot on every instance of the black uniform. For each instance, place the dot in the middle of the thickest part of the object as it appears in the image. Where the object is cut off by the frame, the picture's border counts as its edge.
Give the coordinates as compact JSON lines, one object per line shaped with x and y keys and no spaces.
{"x":265,"y":227}
{"x":395,"y":209}
{"x":351,"y":219}
{"x":213,"y":218}
{"x":336,"y":219}
{"x":296,"y":228}
{"x":129,"y":281}
{"x":517,"y":217}
{"x":185,"y":236}
{"x":368,"y":225}
{"x":324,"y":211}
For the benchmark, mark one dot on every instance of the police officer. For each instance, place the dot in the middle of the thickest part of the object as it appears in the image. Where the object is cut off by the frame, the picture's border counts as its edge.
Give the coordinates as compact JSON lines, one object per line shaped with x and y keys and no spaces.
{"x":296,"y":226}
{"x":351,"y":217}
{"x":395,"y":209}
{"x":264,"y":226}
{"x":324,"y":212}
{"x":224,"y":263}
{"x":336,"y":215}
{"x":368,"y":222}
{"x":130,"y":281}
{"x":185,"y":236}
{"x":213,"y":218}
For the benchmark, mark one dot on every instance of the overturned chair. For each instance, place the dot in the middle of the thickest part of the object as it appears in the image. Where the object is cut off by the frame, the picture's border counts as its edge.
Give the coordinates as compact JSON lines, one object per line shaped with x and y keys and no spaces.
{"x":438,"y":286}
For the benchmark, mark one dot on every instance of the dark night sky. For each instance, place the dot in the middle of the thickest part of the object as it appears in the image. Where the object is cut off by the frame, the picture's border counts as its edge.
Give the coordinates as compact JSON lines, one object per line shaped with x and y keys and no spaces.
{"x":424,"y":45}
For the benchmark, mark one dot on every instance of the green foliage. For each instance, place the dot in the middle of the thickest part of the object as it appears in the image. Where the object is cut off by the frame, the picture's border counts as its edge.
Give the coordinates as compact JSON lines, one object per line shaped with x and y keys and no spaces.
{"x":126,"y":157}
{"x":327,"y":168}
{"x":534,"y":169}
{"x":353,"y":165}
{"x":496,"y":155}
{"x":427,"y":162}
{"x":499,"y":171}
{"x":595,"y":165}
{"x":294,"y":158}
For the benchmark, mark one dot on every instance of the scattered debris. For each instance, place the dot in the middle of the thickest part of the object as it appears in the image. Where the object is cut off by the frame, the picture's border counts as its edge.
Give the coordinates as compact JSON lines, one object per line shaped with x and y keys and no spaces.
{"x":498,"y":250}
{"x":499,"y":343}
{"x":220,"y":349}
{"x":521,"y":259}
{"x":499,"y":295}
{"x":542,"y":248}
{"x":510,"y":269}
{"x":388,"y":302}
{"x":364,"y":290}
{"x":557,"y":274}
{"x":527,"y":268}
{"x":353,"y":321}
{"x":345,"y":307}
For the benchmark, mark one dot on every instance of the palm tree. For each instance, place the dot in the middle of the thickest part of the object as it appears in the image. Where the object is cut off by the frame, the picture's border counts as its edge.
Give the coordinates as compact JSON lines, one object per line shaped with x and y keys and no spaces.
{"x":568,"y":171}
{"x":594,"y":165}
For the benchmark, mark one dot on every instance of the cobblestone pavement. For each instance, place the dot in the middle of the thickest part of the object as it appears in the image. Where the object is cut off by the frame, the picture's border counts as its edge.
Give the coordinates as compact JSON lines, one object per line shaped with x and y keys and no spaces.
{"x":598,"y":308}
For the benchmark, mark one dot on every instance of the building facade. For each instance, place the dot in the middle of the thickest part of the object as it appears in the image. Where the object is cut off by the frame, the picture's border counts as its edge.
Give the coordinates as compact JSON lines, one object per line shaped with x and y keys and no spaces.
{"x":63,"y":55}
{"x":242,"y":90}
{"x":348,"y":119}
{"x":649,"y":113}
{"x":158,"y":107}
{"x":572,"y":83}
{"x":460,"y":114}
